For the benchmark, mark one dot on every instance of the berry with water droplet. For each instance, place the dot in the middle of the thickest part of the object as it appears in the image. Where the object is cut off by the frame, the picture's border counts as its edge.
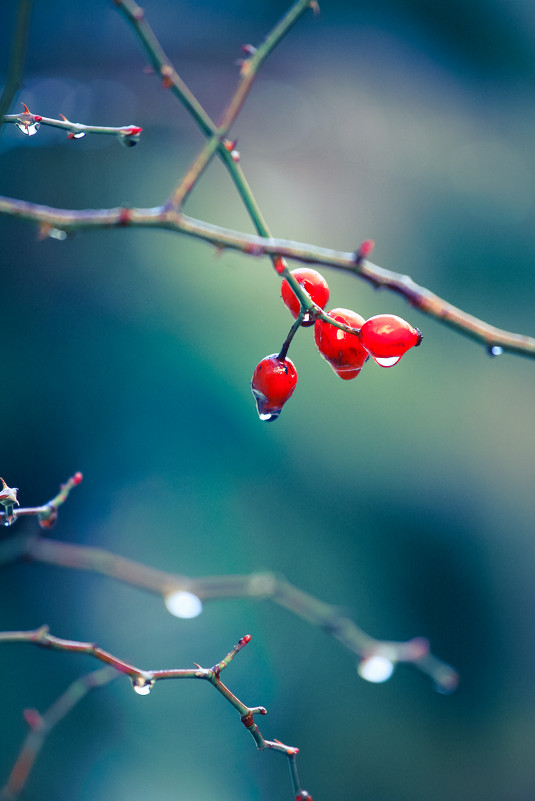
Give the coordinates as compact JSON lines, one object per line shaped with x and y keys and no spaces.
{"x":314,"y":284}
{"x":387,"y":337}
{"x":273,"y":382}
{"x":343,"y":351}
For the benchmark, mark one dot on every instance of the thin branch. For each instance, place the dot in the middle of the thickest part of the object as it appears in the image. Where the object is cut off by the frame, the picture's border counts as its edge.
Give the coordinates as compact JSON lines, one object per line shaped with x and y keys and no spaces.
{"x":42,"y":725}
{"x":256,"y":586}
{"x":419,"y":297}
{"x":48,"y":512}
{"x":248,"y":71}
{"x":128,"y":134}
{"x":16,"y":64}
{"x":144,"y":680}
{"x":170,"y":79}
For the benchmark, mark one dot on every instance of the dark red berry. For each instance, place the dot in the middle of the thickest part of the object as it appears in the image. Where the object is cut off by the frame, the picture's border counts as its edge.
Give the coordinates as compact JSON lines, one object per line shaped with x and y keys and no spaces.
{"x":313,"y":283}
{"x":342,"y":350}
{"x":387,"y":337}
{"x":272,"y":384}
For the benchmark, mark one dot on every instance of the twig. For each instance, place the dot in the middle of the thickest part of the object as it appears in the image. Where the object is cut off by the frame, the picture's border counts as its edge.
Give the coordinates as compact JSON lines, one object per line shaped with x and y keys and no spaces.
{"x":16,"y":63}
{"x":256,"y":586}
{"x":171,"y":80}
{"x":48,"y":513}
{"x":144,"y":680}
{"x":248,"y":71}
{"x":42,"y":725}
{"x":128,"y":134}
{"x":419,"y":297}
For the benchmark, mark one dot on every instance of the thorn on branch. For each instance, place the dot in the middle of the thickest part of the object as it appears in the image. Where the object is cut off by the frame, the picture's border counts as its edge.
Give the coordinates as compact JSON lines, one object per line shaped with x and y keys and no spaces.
{"x":125,"y":216}
{"x":364,"y":251}
{"x":167,"y":76}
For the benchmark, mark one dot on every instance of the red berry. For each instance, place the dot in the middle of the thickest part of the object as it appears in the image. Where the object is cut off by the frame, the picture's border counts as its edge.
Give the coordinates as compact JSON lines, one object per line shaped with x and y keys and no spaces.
{"x":343,"y":351}
{"x":387,"y":337}
{"x":272,"y":384}
{"x":313,"y":283}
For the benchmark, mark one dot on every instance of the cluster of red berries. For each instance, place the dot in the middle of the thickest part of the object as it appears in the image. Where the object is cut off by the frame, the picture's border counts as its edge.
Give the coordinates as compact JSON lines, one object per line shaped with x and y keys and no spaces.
{"x":384,"y":337}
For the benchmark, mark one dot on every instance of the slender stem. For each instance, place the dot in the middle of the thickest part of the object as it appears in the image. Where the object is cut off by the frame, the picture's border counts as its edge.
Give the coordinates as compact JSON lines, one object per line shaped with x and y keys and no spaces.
{"x":18,"y":51}
{"x":75,"y":128}
{"x":293,"y":330}
{"x":163,"y":67}
{"x":248,"y":72}
{"x":48,"y":512}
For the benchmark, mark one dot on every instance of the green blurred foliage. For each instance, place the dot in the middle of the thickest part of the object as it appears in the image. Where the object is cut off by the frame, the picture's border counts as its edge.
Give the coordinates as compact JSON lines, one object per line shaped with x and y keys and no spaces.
{"x":404,"y":496}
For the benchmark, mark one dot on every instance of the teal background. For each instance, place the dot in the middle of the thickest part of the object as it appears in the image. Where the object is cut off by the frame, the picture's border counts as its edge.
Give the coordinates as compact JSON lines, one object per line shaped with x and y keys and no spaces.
{"x":405,"y":496}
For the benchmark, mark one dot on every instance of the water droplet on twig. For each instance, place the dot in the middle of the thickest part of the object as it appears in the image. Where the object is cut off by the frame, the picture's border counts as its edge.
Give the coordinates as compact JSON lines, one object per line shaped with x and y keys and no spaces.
{"x":375,"y":668}
{"x":141,"y":685}
{"x":495,"y":350}
{"x":28,"y":128}
{"x":183,"y":604}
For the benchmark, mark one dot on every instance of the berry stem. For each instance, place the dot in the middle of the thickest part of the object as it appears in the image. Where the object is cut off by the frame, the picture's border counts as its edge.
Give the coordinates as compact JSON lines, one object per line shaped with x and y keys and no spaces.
{"x":286,"y":344}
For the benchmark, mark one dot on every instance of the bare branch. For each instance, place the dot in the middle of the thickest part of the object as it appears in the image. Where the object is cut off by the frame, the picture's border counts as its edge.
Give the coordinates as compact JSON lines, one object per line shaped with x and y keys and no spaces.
{"x":419,"y":297}
{"x":42,"y":725}
{"x":29,"y":123}
{"x":142,"y":682}
{"x":48,"y":513}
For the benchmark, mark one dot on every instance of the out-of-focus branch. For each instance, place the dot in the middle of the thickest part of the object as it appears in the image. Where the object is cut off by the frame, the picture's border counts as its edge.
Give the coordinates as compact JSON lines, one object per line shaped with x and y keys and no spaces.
{"x":16,"y":64}
{"x":248,"y":71}
{"x":29,"y":123}
{"x":493,"y":338}
{"x":42,"y":725}
{"x":256,"y":586}
{"x":142,"y":682}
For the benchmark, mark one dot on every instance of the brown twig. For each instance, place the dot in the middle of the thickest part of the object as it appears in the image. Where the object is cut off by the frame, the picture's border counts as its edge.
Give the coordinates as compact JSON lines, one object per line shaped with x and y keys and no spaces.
{"x":48,"y":513}
{"x":419,"y":297}
{"x":142,"y":682}
{"x":42,"y":725}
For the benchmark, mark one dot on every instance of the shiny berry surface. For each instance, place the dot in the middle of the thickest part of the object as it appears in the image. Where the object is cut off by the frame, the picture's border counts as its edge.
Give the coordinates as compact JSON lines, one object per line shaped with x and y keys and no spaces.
{"x":272,"y":384}
{"x":313,"y":283}
{"x":342,"y":350}
{"x":387,"y":337}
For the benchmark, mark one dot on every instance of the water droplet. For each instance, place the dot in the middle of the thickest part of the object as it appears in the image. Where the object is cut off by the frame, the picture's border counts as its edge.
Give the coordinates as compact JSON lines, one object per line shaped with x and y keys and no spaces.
{"x":9,"y":517}
{"x":268,"y":417}
{"x":128,"y":140}
{"x":57,"y":233}
{"x":387,"y":361}
{"x":375,"y":668}
{"x":141,"y":685}
{"x":495,"y":350}
{"x":183,"y":604}
{"x":28,"y":128}
{"x":79,"y":135}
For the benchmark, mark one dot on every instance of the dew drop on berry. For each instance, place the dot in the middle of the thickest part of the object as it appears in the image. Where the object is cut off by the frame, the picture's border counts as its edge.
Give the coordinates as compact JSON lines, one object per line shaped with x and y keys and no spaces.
{"x":387,"y":361}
